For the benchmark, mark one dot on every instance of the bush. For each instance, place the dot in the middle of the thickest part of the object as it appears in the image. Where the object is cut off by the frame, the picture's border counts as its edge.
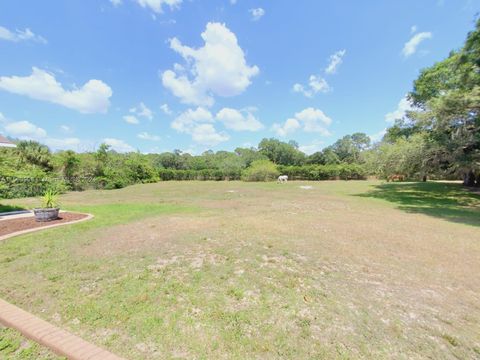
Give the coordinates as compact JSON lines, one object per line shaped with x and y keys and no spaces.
{"x":202,"y":175}
{"x":30,"y":181}
{"x":260,"y":170}
{"x":324,"y":172}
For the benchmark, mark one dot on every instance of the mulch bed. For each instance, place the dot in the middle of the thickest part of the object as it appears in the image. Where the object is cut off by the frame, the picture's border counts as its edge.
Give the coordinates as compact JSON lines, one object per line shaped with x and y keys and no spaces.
{"x":19,"y":224}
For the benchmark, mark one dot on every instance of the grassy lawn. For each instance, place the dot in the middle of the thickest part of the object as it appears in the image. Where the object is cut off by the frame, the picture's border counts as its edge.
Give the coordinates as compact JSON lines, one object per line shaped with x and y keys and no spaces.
{"x":440,"y":199}
{"x":8,"y":208}
{"x":238,"y":270}
{"x":13,"y":346}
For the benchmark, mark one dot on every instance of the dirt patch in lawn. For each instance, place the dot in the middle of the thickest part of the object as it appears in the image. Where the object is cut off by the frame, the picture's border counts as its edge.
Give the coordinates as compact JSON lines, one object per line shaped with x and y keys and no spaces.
{"x":27,"y":223}
{"x":147,"y":235}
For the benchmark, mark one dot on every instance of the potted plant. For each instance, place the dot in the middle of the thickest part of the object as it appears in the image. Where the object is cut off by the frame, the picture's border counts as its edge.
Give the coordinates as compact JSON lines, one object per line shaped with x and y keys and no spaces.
{"x":50,"y":209}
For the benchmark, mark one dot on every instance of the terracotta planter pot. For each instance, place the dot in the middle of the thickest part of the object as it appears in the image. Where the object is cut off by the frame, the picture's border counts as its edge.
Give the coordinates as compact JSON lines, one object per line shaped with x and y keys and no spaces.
{"x":44,"y":215}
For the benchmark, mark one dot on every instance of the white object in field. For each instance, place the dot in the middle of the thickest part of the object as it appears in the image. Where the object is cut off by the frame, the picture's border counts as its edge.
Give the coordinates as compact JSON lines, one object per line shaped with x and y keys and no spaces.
{"x":306,"y":187}
{"x":282,"y":179}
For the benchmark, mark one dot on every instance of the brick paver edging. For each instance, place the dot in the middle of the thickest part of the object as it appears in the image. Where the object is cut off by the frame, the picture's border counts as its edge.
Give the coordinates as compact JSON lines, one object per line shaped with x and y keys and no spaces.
{"x":4,"y":237}
{"x":59,"y":341}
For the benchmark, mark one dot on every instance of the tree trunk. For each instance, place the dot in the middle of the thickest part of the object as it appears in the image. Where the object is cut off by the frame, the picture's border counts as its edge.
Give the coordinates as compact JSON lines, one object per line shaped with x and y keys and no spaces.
{"x":469,"y":178}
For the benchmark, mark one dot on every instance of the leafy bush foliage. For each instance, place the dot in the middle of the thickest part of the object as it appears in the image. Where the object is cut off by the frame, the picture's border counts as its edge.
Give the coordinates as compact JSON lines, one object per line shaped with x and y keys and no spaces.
{"x":204,"y":174}
{"x":261,"y":170}
{"x":19,"y":179}
{"x":324,"y":172}
{"x":50,"y":199}
{"x":403,"y":156}
{"x":28,"y":183}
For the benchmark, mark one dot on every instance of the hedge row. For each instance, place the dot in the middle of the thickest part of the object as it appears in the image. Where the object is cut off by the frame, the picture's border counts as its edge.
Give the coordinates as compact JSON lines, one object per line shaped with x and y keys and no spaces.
{"x":306,"y":172}
{"x":324,"y":172}
{"x":37,"y":184}
{"x":204,"y":174}
{"x":18,"y":187}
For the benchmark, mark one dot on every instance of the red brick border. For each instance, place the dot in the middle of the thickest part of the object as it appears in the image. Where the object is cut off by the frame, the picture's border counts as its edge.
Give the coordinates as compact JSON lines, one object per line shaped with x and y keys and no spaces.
{"x":59,"y":341}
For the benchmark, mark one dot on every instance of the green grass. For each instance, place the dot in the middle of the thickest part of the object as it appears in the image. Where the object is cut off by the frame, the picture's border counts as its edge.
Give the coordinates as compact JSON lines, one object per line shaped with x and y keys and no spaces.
{"x":194,"y":270}
{"x":13,"y":346}
{"x":7,"y":208}
{"x":448,"y":201}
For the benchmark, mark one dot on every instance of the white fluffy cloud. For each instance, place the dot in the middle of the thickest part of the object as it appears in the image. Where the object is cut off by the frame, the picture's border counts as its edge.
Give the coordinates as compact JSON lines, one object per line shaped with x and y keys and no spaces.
{"x":314,"y":120}
{"x":309,"y":120}
{"x":143,"y":111}
{"x":116,"y":2}
{"x":20,"y":35}
{"x":119,"y":145}
{"x":63,"y":144}
{"x":411,"y":45}
{"x":238,"y":121}
{"x":157,"y":5}
{"x":130,"y":119}
{"x":336,"y":60}
{"x":206,"y":134}
{"x":311,"y":148}
{"x":199,"y":124}
{"x":403,"y":106}
{"x":146,"y":136}
{"x":93,"y":97}
{"x":25,"y":130}
{"x":316,"y":84}
{"x":217,"y":68}
{"x":166,"y":109}
{"x":189,"y":119}
{"x":256,"y":13}
{"x":289,"y":126}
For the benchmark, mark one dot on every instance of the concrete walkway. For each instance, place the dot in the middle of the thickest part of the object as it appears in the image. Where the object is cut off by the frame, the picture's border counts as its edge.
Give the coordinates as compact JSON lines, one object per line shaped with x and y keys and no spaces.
{"x":59,"y":341}
{"x":15,"y":214}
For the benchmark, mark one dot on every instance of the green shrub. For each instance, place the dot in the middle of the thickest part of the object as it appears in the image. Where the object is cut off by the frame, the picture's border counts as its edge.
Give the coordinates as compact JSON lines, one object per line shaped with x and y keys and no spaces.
{"x":260,"y":170}
{"x":29,"y":181}
{"x":50,"y":199}
{"x":202,"y":175}
{"x":324,"y":172}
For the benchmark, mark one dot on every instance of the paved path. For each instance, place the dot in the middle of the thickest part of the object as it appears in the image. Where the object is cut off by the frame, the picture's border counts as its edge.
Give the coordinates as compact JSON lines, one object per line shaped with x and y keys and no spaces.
{"x":59,"y":341}
{"x":15,"y":214}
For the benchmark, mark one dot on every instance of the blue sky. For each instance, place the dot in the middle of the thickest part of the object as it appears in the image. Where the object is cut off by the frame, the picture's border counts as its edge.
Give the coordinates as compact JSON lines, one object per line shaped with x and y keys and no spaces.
{"x":158,"y":75}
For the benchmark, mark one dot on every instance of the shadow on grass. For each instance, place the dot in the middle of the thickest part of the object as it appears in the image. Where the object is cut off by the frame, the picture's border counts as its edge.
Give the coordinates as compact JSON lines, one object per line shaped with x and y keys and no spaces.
{"x":449,"y":201}
{"x":7,"y":208}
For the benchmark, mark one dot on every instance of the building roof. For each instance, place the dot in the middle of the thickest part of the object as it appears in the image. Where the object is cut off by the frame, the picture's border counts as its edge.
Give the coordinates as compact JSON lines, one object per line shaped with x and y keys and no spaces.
{"x":4,"y":142}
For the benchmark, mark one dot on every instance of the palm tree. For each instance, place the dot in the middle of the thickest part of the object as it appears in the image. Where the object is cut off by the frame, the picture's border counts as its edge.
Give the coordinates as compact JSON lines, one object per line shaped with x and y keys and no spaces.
{"x":34,"y":153}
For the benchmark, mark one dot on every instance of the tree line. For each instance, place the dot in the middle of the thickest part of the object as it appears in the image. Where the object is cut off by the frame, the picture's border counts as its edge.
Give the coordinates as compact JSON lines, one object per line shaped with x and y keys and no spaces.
{"x":31,"y":168}
{"x":438,"y":139}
